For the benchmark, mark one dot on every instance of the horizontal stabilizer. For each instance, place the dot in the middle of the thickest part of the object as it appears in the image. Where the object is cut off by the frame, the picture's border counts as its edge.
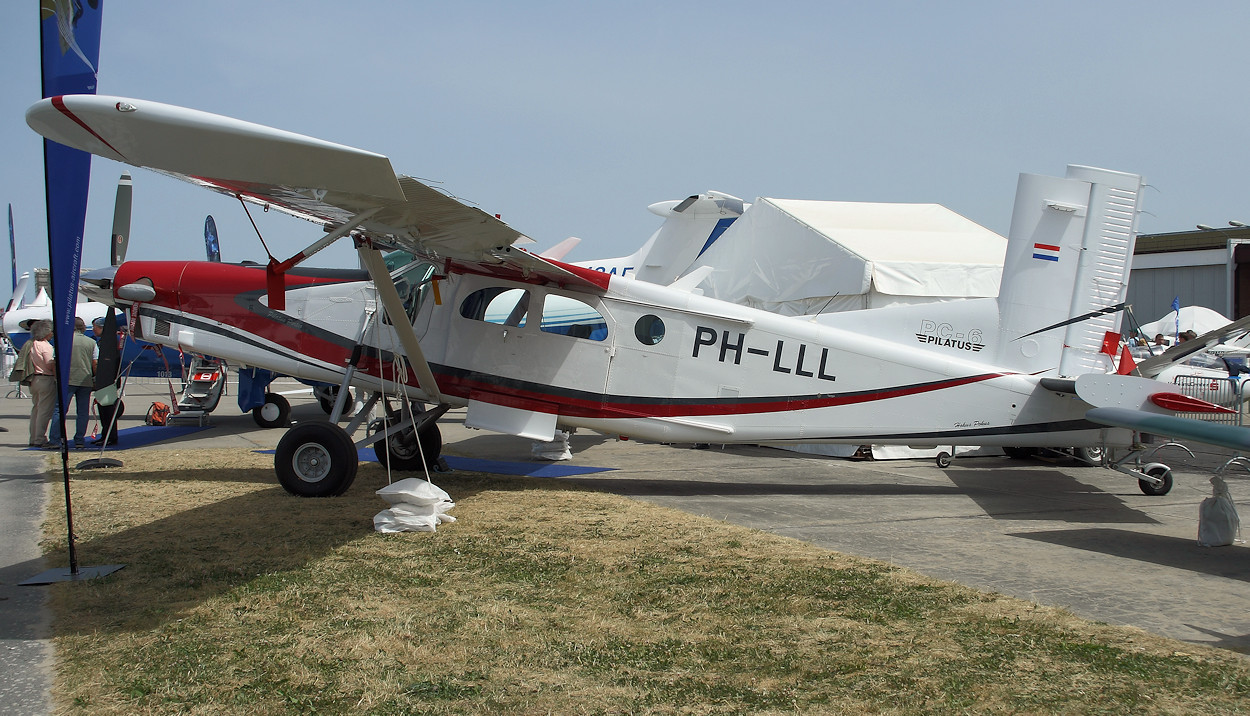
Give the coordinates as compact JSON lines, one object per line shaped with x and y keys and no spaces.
{"x":1229,"y":436}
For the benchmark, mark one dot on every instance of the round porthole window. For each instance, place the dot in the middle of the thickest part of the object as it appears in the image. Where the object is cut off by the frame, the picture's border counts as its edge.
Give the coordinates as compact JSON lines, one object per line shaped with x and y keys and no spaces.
{"x":649,"y":329}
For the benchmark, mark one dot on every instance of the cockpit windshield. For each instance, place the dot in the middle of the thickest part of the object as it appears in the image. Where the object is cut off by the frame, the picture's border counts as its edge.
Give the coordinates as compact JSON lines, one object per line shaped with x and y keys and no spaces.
{"x":412,"y":280}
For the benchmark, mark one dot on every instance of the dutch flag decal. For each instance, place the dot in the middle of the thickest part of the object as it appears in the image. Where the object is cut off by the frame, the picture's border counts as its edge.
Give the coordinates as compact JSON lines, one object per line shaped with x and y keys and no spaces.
{"x":1046,"y":252}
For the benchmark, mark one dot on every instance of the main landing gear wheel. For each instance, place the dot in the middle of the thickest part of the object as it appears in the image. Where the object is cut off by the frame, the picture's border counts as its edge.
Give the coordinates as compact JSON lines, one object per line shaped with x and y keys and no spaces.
{"x":943,"y":459}
{"x":274,"y":413}
{"x":402,"y":451}
{"x":1088,"y":456}
{"x":316,"y":460}
{"x":326,"y":398}
{"x":1162,"y":472}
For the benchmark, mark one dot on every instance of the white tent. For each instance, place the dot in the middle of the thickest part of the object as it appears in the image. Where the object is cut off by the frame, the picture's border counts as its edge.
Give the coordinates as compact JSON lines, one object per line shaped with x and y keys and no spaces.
{"x":799,"y":257}
{"x":1198,"y":319}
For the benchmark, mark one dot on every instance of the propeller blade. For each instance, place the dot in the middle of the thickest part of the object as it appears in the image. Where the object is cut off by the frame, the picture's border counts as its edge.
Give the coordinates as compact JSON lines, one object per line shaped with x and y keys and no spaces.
{"x":121,"y":220}
{"x":211,"y":246}
{"x":108,"y":365}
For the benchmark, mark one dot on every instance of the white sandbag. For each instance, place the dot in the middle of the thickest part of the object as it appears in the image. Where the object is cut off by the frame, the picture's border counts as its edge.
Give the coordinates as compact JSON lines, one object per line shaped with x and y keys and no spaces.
{"x":413,"y":491}
{"x":1218,"y":523}
{"x":390,"y":521}
{"x":556,"y":449}
{"x":416,"y":506}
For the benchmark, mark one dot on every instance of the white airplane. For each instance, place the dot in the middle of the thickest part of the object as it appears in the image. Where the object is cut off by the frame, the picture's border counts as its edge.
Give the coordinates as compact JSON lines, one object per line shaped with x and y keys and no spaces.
{"x":17,"y":319}
{"x":652,"y":361}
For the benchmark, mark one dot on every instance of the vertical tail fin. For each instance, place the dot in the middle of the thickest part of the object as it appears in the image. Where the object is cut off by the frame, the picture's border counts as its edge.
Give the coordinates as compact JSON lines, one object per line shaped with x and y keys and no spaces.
{"x":690,"y":227}
{"x":1069,"y":252}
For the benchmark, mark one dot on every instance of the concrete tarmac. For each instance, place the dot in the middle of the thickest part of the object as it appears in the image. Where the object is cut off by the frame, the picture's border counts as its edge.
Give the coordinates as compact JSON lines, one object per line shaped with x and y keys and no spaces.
{"x":1050,"y":531}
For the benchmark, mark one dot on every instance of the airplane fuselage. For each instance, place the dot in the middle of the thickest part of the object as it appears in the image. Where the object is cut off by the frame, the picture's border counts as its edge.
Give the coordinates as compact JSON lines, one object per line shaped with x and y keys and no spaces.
{"x":636,"y":359}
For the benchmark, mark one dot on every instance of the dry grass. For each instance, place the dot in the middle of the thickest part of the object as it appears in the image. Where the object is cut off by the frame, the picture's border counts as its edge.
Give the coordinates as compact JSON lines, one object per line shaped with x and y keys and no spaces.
{"x":545,"y":598}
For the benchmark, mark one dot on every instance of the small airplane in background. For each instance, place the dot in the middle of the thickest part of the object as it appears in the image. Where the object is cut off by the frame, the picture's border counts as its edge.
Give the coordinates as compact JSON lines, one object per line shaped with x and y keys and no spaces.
{"x":139,"y":359}
{"x":467,"y":321}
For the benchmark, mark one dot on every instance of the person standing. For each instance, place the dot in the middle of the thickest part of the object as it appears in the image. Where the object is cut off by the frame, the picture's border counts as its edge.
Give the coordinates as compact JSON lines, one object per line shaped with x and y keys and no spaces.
{"x":41,"y":366}
{"x":82,"y":363}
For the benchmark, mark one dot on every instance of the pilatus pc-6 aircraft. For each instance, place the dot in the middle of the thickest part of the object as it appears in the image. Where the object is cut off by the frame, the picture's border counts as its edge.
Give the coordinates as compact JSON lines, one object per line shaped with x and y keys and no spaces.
{"x":474,"y":320}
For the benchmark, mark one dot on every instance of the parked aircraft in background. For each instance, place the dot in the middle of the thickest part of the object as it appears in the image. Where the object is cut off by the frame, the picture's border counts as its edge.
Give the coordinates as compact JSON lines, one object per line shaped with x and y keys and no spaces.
{"x":652,"y":361}
{"x":138,"y":358}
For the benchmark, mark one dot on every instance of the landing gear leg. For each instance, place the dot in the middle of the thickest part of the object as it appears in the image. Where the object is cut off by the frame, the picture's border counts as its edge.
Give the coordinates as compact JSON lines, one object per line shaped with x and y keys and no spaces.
{"x":1153,"y":478}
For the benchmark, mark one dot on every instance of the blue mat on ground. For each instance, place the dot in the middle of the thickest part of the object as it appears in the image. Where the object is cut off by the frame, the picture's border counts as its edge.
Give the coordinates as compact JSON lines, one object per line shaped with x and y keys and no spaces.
{"x":500,"y":467}
{"x":141,"y":435}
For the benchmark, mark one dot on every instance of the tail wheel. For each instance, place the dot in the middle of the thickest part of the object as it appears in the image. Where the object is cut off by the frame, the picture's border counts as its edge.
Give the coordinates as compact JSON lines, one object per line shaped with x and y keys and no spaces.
{"x":274,"y":413}
{"x":1163,"y":473}
{"x":402,"y":451}
{"x":316,"y":460}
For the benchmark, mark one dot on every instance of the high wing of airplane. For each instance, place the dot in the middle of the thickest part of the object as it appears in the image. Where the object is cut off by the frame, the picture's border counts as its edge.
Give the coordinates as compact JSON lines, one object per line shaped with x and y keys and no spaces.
{"x":469,"y":321}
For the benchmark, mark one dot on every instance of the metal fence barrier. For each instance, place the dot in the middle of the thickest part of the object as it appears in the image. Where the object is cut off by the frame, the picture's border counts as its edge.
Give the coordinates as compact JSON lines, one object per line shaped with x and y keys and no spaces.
{"x":1228,"y":392}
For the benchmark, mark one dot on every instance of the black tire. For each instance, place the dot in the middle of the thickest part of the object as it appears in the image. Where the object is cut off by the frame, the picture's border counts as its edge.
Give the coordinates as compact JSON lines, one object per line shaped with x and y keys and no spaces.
{"x":275,"y":413}
{"x":1020,"y":453}
{"x":316,"y":460}
{"x":326,"y":398}
{"x":1163,"y":488}
{"x":1088,"y":456}
{"x":943,"y":460}
{"x":402,"y":452}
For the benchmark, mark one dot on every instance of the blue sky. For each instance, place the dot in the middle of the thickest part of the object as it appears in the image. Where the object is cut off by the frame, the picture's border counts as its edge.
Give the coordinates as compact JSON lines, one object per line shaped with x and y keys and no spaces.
{"x":569,"y":118}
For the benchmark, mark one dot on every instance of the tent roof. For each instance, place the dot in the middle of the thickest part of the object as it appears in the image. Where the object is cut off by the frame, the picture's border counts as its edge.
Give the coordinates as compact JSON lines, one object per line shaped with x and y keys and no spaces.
{"x":784,"y":250}
{"x":899,"y":233}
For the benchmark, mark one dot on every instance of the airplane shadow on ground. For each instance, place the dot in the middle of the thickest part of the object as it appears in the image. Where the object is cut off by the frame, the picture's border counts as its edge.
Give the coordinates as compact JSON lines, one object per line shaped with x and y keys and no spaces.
{"x":1232,"y":642}
{"x":1041,"y":494}
{"x":194,"y":555}
{"x":1021,"y":494}
{"x":1225,"y":562}
{"x":678,"y":487}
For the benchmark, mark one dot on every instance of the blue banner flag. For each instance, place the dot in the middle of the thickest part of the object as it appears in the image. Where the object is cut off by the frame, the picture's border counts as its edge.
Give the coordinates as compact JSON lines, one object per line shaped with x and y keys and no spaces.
{"x":69,"y":39}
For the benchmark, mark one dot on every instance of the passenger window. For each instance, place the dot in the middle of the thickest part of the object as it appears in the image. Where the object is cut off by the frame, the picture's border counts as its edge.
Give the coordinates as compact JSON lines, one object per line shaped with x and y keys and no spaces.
{"x":573,"y":317}
{"x":649,"y":330}
{"x":502,"y":306}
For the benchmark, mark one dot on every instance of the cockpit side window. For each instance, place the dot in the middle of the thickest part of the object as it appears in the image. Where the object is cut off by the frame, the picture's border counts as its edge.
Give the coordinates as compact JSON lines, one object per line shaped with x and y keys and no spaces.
{"x":412,"y":282}
{"x":573,"y":317}
{"x":499,"y":305}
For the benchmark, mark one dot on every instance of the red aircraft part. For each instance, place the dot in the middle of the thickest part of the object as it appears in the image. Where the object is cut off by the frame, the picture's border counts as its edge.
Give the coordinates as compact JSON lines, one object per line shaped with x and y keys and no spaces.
{"x":1186,"y":404}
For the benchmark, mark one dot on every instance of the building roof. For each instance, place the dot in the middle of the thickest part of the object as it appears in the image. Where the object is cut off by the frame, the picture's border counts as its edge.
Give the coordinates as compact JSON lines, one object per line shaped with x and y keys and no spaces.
{"x":1196,"y":240}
